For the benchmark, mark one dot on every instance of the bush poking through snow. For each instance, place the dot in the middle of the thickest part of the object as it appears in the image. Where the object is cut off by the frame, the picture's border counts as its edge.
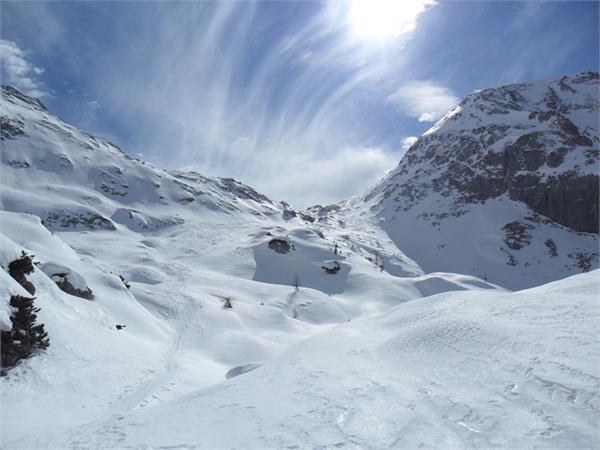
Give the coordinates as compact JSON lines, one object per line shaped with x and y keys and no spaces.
{"x":296,"y":282}
{"x":25,"y":336}
{"x":21,"y":267}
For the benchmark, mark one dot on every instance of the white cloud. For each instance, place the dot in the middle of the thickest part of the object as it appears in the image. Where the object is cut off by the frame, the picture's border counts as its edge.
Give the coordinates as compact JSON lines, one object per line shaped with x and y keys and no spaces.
{"x":332,"y":178}
{"x":18,"y":71}
{"x":384,"y":18}
{"x":425,"y":100}
{"x":408,"y":142}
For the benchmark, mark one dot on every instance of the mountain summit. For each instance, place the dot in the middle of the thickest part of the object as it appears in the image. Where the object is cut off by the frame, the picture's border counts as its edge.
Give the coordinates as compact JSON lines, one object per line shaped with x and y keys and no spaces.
{"x":504,"y":186}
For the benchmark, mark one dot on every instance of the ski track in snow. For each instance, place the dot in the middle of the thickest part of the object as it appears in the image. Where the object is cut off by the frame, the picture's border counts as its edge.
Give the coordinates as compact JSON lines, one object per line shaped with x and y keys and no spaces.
{"x":165,"y":373}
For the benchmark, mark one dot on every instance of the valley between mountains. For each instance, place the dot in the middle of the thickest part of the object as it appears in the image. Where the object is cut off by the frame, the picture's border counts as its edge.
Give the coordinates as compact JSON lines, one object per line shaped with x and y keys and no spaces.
{"x":453,"y":305}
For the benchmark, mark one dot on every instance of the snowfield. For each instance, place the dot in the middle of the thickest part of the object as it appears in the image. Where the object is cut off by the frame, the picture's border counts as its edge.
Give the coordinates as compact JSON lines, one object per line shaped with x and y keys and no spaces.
{"x":455,"y":370}
{"x":193,"y":312}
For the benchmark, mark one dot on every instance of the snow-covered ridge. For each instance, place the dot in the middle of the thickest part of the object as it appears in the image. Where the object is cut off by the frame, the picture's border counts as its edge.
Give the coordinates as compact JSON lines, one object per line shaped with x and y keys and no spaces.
{"x":89,"y":183}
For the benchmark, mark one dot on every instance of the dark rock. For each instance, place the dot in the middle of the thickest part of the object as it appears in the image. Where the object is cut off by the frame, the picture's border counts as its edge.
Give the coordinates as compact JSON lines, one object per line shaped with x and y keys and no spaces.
{"x":18,"y":164}
{"x":306,"y":217}
{"x":279,"y":245}
{"x":332,"y":267}
{"x":516,"y":235}
{"x":69,"y":219}
{"x":552,"y":251}
{"x":570,"y":199}
{"x":62,"y":281}
{"x":556,"y":158}
{"x":584,"y":260}
{"x":11,"y":128}
{"x":288,"y":214}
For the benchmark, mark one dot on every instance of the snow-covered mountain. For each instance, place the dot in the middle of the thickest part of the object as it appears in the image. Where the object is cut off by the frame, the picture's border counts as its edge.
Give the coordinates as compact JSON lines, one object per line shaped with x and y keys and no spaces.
{"x":505,"y":186}
{"x":186,"y":311}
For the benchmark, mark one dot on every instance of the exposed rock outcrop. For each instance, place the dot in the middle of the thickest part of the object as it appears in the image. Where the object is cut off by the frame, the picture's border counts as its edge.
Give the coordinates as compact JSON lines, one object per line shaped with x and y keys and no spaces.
{"x":67,"y":280}
{"x":280,"y":245}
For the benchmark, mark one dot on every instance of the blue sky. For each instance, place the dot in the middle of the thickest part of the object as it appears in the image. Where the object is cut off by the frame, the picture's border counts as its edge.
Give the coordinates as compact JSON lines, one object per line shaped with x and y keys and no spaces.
{"x":309,"y":102}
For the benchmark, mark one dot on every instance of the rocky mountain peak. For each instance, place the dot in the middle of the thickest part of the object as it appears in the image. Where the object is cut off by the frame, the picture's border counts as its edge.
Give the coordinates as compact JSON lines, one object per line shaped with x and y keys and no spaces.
{"x":535,"y":142}
{"x":13,"y":95}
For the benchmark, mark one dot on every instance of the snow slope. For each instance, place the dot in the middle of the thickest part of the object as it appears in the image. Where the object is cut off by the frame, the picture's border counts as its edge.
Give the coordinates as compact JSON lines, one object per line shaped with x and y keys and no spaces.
{"x":456,"y":370}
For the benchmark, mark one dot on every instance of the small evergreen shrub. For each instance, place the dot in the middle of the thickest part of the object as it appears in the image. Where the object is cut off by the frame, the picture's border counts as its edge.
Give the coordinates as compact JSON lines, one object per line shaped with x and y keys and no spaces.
{"x":25,"y":336}
{"x":19,"y":268}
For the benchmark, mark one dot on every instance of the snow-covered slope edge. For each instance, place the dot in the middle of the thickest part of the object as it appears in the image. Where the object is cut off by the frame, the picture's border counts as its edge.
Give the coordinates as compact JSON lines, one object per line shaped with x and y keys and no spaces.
{"x":456,"y":370}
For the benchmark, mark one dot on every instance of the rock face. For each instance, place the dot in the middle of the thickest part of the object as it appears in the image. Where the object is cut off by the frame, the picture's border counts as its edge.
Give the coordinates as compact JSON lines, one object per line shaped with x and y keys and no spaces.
{"x":57,"y":220}
{"x":536,"y":142}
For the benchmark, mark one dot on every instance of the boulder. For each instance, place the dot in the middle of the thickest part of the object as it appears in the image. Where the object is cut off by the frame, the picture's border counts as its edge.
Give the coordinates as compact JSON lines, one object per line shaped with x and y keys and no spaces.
{"x":331,"y":267}
{"x":67,"y":280}
{"x":280,"y":245}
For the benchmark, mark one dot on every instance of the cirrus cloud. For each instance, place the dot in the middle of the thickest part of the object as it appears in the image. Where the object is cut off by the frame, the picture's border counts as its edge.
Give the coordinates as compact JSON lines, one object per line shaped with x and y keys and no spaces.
{"x":425,"y":100}
{"x":18,"y":70}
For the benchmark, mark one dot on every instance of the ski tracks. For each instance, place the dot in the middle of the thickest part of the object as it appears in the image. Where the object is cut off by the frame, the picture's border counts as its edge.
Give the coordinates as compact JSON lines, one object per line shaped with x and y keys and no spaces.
{"x":182,"y":312}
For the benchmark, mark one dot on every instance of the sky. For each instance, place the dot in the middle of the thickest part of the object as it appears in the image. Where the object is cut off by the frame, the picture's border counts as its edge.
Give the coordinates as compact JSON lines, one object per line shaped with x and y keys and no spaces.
{"x":308,"y":102}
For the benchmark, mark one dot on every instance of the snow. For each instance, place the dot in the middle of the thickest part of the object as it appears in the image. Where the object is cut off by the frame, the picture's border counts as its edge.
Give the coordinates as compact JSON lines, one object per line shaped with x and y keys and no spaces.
{"x":456,"y":370}
{"x":406,"y":344}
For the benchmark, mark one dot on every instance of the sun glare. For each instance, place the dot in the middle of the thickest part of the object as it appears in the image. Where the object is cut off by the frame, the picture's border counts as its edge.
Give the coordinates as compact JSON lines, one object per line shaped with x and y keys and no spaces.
{"x":381,"y":19}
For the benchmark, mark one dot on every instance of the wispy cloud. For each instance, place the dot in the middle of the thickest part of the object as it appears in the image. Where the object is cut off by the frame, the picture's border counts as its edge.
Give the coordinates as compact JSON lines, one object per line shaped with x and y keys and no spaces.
{"x":425,"y":100}
{"x":18,"y":70}
{"x":269,"y":93}
{"x":341,"y":174}
{"x":275,"y":111}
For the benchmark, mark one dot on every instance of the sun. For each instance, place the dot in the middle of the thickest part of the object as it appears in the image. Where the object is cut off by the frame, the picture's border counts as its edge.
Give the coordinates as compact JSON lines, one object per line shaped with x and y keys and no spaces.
{"x":383,"y":19}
